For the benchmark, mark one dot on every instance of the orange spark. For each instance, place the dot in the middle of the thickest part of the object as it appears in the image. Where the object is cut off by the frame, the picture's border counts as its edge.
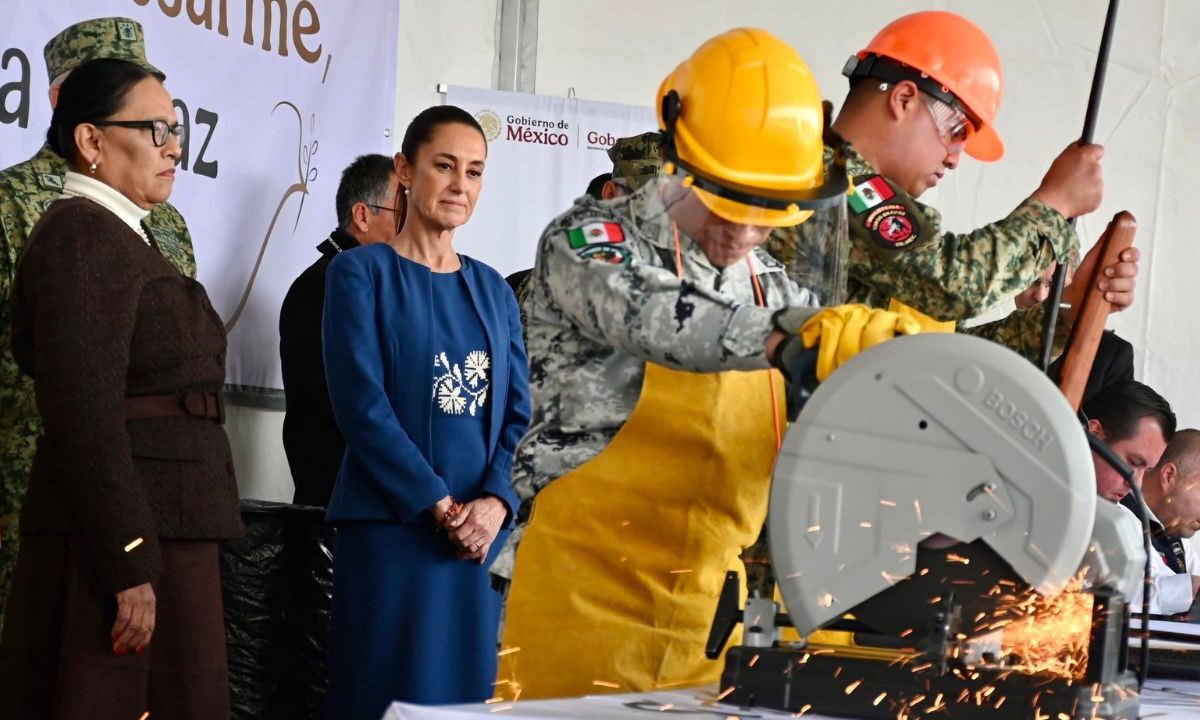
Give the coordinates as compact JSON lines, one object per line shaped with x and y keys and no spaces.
{"x":508,"y":651}
{"x":853,"y":686}
{"x":888,"y":503}
{"x":879,"y":698}
{"x":680,"y":572}
{"x":753,"y":660}
{"x":725,"y":693}
{"x":1047,"y":635}
{"x":606,"y":684}
{"x":147,"y":713}
{"x":131,"y":546}
{"x":864,"y":524}
{"x":917,"y":505}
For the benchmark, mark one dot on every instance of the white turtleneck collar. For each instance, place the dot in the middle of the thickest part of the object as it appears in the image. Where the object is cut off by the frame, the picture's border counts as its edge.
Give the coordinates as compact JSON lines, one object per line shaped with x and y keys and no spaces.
{"x":107,"y":197}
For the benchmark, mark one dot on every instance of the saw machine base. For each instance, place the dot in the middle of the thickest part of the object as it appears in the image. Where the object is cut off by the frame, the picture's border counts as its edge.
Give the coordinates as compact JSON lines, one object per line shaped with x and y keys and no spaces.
{"x":819,"y":681}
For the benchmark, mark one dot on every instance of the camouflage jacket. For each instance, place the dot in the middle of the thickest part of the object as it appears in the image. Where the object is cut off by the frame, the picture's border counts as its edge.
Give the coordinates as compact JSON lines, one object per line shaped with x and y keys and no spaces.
{"x":599,"y":311}
{"x":26,"y":190}
{"x":899,"y":250}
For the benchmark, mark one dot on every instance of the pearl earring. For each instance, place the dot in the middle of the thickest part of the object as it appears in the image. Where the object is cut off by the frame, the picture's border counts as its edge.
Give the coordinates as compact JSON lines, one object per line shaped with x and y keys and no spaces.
{"x":93,"y":168}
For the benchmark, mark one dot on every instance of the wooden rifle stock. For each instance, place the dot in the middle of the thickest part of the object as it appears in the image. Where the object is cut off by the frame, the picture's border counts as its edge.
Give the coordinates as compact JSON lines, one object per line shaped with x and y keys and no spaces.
{"x":1092,"y":316}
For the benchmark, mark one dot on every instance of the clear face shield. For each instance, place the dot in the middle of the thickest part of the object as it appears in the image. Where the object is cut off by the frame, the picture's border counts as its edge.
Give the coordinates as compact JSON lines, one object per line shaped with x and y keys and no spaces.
{"x":805,"y":230}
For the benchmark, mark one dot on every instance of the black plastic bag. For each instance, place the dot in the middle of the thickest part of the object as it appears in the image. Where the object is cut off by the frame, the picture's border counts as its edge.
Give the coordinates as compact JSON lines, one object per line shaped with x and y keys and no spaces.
{"x":277,"y":586}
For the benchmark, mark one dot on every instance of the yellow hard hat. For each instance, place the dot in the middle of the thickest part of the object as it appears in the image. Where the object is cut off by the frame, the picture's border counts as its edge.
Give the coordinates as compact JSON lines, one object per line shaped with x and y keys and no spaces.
{"x":742,"y":122}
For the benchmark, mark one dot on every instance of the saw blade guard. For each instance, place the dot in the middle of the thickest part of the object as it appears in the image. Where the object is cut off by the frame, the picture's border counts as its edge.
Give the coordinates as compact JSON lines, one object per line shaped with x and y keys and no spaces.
{"x":933,"y":438}
{"x":1116,"y":556}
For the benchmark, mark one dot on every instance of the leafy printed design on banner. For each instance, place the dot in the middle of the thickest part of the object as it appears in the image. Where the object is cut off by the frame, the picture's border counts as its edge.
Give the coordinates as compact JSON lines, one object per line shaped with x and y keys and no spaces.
{"x":306,"y":173}
{"x":464,"y":388}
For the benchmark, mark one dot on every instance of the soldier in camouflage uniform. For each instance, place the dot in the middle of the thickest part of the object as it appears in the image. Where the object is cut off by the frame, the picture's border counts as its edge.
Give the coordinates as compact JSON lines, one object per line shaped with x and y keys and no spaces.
{"x":652,"y":319}
{"x":26,"y":190}
{"x":636,"y":161}
{"x":913,"y":108}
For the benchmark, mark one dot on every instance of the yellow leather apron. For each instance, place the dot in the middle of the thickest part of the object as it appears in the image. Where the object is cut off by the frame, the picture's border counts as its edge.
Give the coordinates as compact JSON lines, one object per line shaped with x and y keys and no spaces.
{"x":618,"y":572}
{"x":927,"y":323}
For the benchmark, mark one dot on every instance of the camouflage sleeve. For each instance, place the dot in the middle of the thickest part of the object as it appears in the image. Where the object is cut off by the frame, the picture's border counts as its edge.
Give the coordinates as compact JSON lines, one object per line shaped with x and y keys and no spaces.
{"x":173,"y":238}
{"x":619,"y":300}
{"x":1021,"y":332}
{"x":955,"y":276}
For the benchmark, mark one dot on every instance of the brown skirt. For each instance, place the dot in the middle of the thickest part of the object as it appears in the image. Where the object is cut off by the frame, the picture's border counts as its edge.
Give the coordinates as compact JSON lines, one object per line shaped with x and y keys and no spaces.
{"x":56,"y":657}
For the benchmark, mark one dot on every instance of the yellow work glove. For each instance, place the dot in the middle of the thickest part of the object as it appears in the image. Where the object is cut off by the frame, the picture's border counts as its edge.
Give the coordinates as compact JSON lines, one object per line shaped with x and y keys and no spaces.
{"x":839,"y":333}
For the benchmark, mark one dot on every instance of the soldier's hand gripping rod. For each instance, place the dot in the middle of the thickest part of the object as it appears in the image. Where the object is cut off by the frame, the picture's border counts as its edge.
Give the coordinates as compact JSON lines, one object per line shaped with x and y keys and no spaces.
{"x":1089,"y":128}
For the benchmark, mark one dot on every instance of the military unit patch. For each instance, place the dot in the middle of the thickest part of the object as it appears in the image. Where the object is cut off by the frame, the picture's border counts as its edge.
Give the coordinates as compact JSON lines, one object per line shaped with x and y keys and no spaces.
{"x":126,"y":30}
{"x":870,"y":192}
{"x":892,"y":226}
{"x":605,"y":253}
{"x":50,"y":181}
{"x":596,"y":233}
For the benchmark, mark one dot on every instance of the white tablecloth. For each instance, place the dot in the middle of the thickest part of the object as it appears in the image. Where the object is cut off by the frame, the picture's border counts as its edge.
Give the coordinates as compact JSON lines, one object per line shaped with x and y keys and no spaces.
{"x":1161,"y":700}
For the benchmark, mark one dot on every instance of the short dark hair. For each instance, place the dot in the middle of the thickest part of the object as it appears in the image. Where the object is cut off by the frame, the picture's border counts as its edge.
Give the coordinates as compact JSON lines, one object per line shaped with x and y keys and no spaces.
{"x":420,"y":131}
{"x":596,"y":187}
{"x":364,"y":181}
{"x":93,"y":91}
{"x":1121,"y":406}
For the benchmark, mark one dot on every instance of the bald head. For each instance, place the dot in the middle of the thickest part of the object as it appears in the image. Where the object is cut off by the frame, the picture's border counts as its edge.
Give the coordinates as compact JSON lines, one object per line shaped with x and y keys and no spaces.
{"x":1172,"y":488}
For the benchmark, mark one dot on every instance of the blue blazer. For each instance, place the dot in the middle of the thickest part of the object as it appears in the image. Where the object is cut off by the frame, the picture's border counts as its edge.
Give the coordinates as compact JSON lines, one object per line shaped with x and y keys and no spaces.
{"x":378,"y":347}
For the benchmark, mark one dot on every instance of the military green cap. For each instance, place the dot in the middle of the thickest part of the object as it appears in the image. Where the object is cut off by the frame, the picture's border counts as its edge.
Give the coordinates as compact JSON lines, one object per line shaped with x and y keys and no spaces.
{"x":114,"y":38}
{"x":637,"y":159}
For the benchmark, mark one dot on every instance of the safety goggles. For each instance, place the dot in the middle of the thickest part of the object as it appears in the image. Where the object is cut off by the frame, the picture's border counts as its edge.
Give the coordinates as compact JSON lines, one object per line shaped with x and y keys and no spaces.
{"x":953,"y":125}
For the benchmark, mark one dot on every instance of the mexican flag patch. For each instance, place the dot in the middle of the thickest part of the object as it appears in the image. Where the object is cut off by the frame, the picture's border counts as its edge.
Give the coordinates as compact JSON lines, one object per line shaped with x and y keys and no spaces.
{"x":869,"y":193}
{"x":595,"y":234}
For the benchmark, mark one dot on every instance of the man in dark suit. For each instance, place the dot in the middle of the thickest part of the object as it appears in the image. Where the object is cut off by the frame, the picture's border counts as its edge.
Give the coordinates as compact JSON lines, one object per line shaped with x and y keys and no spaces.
{"x":366,"y":202}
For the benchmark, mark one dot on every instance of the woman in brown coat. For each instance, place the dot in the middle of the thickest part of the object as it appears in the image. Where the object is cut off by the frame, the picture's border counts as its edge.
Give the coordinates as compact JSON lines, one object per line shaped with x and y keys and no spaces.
{"x":116,"y":603}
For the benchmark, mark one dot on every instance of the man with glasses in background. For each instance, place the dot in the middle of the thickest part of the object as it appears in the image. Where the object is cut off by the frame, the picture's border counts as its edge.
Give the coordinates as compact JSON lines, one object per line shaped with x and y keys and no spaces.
{"x":26,"y":190}
{"x":925,"y":90}
{"x":366,"y":214}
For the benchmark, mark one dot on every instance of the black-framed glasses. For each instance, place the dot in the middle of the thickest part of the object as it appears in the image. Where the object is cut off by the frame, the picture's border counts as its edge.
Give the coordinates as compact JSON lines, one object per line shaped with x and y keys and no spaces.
{"x":380,"y":207}
{"x":159,"y":129}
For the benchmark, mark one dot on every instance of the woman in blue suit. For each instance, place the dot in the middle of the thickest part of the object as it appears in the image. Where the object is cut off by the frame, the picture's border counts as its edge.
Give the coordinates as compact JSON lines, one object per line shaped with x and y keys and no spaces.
{"x":429,"y":384}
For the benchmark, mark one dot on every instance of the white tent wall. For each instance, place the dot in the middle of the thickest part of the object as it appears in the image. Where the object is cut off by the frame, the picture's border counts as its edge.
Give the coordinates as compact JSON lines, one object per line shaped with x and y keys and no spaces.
{"x":619,"y":50}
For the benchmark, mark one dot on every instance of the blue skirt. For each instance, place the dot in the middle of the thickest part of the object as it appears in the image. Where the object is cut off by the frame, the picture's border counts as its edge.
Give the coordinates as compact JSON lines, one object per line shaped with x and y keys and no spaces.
{"x":411,"y":622}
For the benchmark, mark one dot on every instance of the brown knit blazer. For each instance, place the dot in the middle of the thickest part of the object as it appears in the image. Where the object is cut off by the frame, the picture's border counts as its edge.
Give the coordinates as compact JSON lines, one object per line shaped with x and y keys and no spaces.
{"x":98,"y":316}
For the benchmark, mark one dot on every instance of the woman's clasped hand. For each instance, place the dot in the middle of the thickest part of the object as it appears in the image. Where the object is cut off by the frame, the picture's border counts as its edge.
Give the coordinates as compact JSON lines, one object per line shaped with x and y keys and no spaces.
{"x":472,"y":526}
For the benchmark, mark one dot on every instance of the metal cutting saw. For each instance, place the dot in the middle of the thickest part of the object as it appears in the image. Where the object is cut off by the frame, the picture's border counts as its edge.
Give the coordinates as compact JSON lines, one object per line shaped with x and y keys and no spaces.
{"x":940,"y":549}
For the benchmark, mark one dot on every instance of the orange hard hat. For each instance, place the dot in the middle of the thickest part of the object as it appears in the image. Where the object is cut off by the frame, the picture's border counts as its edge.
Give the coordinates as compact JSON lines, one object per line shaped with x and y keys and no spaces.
{"x":948,"y":57}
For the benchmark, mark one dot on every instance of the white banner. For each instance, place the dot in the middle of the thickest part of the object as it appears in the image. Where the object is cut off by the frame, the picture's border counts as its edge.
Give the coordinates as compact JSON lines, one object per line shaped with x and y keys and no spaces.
{"x":542,"y":152}
{"x":278,"y":97}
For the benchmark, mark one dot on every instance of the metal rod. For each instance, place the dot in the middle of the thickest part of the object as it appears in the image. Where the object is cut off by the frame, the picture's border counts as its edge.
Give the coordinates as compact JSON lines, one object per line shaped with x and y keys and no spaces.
{"x":1089,"y":130}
